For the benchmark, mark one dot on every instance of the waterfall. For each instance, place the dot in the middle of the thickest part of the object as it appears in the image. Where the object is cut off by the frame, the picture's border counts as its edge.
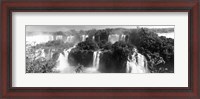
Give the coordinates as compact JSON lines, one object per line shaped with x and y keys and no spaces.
{"x":63,"y":65}
{"x":93,"y":38}
{"x":137,"y":64}
{"x":84,"y":37}
{"x":42,"y":53}
{"x":96,"y":59}
{"x":95,"y":67}
{"x":59,"y":37}
{"x":51,"y":38}
{"x":123,"y":37}
{"x":69,"y":38}
{"x":113,"y":38}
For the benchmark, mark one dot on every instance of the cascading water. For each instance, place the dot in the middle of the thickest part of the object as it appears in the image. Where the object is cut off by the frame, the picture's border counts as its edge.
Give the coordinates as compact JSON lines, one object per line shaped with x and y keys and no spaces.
{"x":84,"y":37}
{"x":63,"y":65}
{"x":67,"y":52}
{"x":137,"y":64}
{"x":95,"y":67}
{"x":123,"y":37}
{"x":69,"y":38}
{"x":96,"y":59}
{"x":113,"y":38}
{"x":93,"y":38}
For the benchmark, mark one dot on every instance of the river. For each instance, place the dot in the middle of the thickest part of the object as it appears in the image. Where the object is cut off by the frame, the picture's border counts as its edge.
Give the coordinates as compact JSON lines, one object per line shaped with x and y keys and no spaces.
{"x":167,"y":35}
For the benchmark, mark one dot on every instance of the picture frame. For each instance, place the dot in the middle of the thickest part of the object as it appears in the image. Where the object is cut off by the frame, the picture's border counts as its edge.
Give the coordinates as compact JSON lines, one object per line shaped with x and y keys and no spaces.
{"x":9,"y":6}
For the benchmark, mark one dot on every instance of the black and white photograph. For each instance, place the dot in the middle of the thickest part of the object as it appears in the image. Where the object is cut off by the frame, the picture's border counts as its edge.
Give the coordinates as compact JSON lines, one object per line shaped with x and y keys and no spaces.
{"x":99,"y":48}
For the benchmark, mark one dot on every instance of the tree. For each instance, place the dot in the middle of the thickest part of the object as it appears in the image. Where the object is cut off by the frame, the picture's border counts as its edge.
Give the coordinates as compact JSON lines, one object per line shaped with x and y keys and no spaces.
{"x":120,"y":52}
{"x":101,"y":35}
{"x":87,"y":45}
{"x":156,"y":49}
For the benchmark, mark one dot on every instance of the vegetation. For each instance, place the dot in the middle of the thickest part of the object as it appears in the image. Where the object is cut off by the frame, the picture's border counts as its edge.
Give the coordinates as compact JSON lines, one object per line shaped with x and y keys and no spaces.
{"x":36,"y":63}
{"x":159,"y":51}
{"x":83,"y":53}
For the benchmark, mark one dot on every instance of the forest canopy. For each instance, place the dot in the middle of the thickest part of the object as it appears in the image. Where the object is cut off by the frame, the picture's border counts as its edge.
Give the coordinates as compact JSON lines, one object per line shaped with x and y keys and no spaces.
{"x":158,"y":50}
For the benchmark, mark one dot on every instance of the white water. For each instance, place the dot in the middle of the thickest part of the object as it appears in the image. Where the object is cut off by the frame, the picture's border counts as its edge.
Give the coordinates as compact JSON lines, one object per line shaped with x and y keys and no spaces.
{"x":63,"y":65}
{"x":84,"y":37}
{"x":167,"y":35}
{"x":69,"y":38}
{"x":96,"y":59}
{"x":138,"y":64}
{"x":123,"y":37}
{"x":38,"y":39}
{"x":94,"y":68}
{"x":116,"y":37}
{"x":113,"y":38}
{"x":90,"y":70}
{"x":93,"y":38}
{"x":59,"y":37}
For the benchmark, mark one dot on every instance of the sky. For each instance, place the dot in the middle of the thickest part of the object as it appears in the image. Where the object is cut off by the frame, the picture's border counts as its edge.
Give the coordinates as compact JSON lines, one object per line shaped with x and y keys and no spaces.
{"x":54,"y":28}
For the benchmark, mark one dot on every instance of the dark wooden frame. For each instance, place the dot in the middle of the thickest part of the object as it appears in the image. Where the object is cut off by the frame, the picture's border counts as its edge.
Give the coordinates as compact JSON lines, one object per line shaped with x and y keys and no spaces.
{"x":9,"y":6}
